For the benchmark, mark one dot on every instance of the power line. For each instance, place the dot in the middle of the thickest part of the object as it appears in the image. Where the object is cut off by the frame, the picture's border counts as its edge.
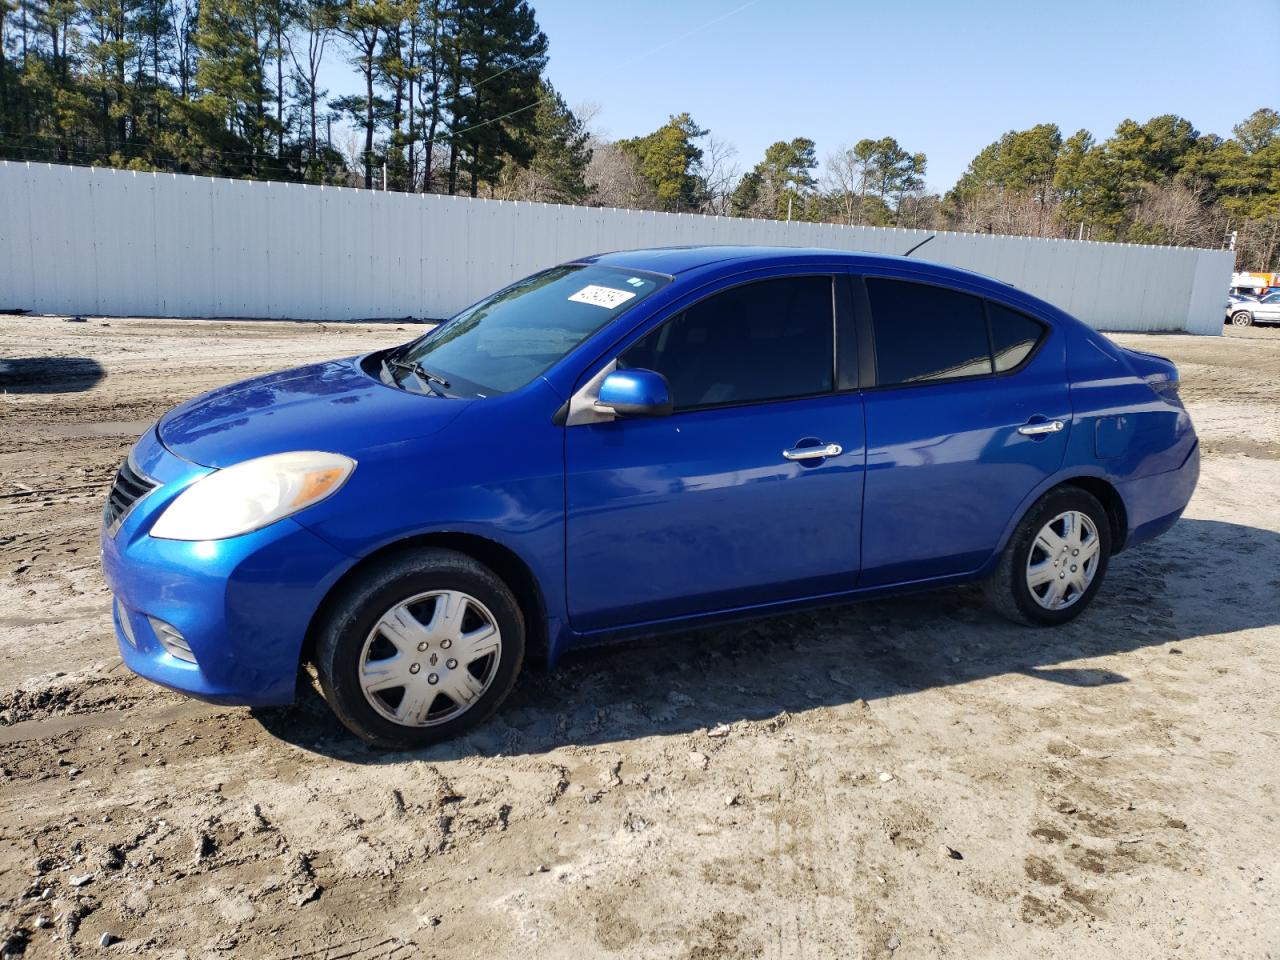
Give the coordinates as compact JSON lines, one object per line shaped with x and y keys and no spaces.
{"x":61,"y":142}
{"x":519,"y":63}
{"x":665,"y":43}
{"x":442,"y":137}
{"x":627,"y":62}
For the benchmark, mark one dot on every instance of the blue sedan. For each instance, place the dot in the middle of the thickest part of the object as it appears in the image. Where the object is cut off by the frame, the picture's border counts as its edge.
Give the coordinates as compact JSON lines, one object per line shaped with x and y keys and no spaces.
{"x":626,"y":444}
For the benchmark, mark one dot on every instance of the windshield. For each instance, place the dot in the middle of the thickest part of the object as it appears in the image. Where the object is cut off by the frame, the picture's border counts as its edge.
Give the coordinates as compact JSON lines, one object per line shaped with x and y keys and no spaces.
{"x":508,"y":339}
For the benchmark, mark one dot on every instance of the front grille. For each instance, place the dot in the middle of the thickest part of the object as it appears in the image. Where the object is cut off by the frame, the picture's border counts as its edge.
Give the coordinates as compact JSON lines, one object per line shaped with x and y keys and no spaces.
{"x":129,"y":487}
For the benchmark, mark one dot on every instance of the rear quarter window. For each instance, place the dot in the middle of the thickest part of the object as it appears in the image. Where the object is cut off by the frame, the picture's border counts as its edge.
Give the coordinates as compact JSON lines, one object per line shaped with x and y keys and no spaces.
{"x":1013,"y":336}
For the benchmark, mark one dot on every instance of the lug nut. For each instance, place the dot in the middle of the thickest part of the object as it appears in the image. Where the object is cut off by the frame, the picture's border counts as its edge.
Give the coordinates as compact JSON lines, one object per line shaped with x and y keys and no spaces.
{"x":414,"y":668}
{"x":423,"y":645}
{"x":451,"y":663}
{"x":432,"y":678}
{"x":446,"y":644}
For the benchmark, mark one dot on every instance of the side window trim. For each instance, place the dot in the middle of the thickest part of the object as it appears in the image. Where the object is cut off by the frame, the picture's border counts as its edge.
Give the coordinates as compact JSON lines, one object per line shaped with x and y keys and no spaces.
{"x":868,"y":375}
{"x":868,"y":364}
{"x":850,"y":349}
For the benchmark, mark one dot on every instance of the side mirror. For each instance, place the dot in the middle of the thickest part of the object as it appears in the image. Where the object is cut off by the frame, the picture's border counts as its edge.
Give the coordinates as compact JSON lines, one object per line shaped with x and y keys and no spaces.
{"x":635,"y":393}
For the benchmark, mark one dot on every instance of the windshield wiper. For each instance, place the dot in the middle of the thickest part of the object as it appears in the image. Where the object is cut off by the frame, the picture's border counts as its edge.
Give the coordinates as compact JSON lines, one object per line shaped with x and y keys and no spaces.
{"x":425,"y":375}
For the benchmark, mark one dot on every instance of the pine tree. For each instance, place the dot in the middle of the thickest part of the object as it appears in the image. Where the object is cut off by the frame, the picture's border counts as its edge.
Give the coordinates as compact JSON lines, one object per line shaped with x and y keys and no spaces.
{"x":557,"y":171}
{"x":668,"y":160}
{"x":315,"y":21}
{"x":230,"y":126}
{"x":498,"y":55}
{"x":363,"y":25}
{"x":781,"y":184}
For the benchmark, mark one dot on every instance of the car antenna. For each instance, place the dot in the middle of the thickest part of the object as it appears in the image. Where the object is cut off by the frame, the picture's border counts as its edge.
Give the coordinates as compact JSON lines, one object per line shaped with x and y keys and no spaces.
{"x":920,"y":244}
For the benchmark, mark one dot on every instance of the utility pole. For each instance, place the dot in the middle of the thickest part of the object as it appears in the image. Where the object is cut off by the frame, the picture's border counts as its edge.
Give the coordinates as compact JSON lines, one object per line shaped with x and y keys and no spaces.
{"x":384,"y":176}
{"x":788,"y":209}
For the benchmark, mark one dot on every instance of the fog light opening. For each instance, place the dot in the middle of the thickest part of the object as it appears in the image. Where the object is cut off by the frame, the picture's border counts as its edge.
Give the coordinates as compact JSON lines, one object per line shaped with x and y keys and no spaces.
{"x":171,"y":638}
{"x":126,"y":624}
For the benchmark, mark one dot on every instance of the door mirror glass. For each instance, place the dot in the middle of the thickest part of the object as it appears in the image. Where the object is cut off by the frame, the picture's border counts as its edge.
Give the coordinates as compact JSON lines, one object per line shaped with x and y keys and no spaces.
{"x":635,"y":393}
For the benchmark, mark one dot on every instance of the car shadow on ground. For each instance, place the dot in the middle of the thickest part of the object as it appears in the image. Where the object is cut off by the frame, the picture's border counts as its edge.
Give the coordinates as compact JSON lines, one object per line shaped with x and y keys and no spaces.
{"x":49,"y":374}
{"x":1162,"y":593}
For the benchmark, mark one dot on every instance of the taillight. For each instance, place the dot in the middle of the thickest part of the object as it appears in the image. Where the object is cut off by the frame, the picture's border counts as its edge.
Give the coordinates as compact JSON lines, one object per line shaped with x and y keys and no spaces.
{"x":1165,"y":387}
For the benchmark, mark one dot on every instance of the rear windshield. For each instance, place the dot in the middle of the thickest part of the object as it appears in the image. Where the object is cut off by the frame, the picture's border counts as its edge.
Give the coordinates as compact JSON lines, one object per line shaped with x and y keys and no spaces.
{"x":508,"y":339}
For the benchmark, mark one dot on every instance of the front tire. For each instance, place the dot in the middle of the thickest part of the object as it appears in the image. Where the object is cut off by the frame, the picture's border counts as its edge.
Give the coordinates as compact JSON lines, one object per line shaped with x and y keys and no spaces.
{"x":1055,"y":562}
{"x":419,"y":648}
{"x":1242,"y":318}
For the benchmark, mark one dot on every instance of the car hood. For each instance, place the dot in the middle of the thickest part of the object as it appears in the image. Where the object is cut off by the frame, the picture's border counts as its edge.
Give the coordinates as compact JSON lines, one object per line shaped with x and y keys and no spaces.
{"x":333,"y":406}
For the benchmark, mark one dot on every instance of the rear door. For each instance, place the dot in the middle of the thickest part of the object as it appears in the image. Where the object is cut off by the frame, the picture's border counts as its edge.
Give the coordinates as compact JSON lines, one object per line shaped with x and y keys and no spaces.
{"x":721,"y":504}
{"x":969,"y":413}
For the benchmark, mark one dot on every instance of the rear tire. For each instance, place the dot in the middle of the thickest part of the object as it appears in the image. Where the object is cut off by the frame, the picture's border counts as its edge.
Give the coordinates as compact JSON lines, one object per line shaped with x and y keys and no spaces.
{"x":1055,"y":562}
{"x":1242,"y":318}
{"x":419,"y":647}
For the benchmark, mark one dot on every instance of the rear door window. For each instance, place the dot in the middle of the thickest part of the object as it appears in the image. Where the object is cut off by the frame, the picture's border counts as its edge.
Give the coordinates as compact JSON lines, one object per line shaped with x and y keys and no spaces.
{"x":925,"y":333}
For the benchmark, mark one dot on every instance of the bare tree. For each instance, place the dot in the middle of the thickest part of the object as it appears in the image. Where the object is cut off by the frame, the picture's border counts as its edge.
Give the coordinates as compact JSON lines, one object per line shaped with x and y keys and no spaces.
{"x":307,"y":53}
{"x":182,"y":16}
{"x":615,"y":181}
{"x":844,"y":181}
{"x":1257,"y":243}
{"x":1022,"y":213}
{"x":350,"y":143}
{"x":720,"y":174}
{"x":1176,"y":214}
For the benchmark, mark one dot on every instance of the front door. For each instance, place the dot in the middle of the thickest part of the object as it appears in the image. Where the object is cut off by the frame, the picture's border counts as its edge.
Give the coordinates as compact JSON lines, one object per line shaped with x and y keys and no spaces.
{"x":721,"y":504}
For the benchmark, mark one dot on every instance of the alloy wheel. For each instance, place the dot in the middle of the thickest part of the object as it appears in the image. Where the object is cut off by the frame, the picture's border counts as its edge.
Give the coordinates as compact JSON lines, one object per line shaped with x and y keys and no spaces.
{"x":1063,"y":560}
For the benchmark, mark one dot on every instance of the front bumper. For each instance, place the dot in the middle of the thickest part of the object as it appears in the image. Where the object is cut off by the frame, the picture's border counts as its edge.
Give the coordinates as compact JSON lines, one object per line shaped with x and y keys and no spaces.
{"x":243,"y":605}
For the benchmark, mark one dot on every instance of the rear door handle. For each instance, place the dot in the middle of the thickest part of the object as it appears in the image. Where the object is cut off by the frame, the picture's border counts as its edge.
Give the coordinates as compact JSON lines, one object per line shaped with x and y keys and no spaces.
{"x":1036,"y":429}
{"x":813,"y":453}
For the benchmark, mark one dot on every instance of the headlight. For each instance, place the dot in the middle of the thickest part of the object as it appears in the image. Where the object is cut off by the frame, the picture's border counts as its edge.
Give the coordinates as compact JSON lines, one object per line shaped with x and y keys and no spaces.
{"x":250,"y":495}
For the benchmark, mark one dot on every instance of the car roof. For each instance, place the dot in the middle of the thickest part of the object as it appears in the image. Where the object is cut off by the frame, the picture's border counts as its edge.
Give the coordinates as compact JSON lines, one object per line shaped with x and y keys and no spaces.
{"x":673,"y":261}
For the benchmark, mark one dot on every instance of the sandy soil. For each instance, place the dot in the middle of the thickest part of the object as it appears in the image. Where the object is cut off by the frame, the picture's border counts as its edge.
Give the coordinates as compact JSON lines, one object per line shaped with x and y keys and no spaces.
{"x":906,"y":778}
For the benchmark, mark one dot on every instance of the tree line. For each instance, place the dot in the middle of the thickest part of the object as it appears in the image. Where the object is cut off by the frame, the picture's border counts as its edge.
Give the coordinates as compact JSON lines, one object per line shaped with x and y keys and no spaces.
{"x":453,"y":98}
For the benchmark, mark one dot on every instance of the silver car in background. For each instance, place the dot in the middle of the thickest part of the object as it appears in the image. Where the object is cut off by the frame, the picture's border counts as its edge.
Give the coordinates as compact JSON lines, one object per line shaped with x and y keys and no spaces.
{"x":1244,"y":311}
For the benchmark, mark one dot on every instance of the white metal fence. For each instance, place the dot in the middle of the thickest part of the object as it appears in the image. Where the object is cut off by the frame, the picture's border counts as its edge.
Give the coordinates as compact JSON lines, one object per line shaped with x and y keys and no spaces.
{"x":83,"y":240}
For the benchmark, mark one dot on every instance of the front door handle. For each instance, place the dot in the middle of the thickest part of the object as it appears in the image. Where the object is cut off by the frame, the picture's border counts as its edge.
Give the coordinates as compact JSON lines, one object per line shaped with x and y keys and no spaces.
{"x":813,"y":453}
{"x":1037,"y":429}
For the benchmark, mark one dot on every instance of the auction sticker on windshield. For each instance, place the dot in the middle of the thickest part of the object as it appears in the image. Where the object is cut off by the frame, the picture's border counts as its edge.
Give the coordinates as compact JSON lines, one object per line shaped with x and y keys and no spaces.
{"x":599,"y":296}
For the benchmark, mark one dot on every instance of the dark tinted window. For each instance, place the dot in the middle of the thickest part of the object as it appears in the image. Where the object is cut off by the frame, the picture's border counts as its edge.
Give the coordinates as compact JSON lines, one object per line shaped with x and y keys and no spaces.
{"x":1013,"y":336}
{"x":761,"y":341}
{"x":927,"y":333}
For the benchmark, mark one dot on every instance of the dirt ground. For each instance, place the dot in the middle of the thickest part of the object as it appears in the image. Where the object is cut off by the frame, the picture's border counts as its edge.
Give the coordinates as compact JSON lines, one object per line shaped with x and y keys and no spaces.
{"x":905,"y":778}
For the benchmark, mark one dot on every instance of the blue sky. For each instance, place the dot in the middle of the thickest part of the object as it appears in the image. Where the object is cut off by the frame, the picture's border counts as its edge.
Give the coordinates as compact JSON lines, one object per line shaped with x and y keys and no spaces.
{"x":945,"y":78}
